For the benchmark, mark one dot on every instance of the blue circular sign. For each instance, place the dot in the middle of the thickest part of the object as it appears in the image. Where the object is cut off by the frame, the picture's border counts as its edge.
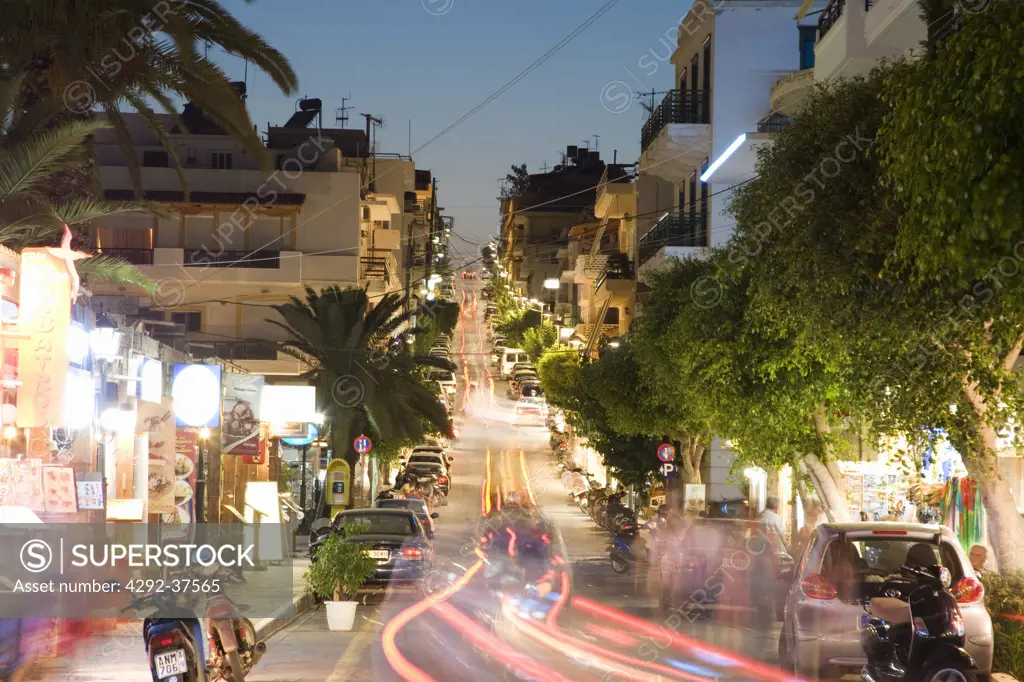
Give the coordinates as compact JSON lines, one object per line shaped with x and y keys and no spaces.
{"x":666,"y":452}
{"x":311,"y":435}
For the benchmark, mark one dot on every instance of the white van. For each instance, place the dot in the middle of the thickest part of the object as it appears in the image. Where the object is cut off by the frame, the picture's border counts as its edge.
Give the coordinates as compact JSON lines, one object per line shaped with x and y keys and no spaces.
{"x":509,"y":358}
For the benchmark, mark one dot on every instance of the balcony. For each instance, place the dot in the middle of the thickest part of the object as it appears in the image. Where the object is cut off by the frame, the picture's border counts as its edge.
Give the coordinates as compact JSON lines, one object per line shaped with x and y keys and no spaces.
{"x":264,"y":260}
{"x":374,"y":268}
{"x":676,"y":229}
{"x":133,"y":256}
{"x":618,"y":277}
{"x":830,"y":16}
{"x":791,"y":90}
{"x":677,"y":136}
{"x":773,"y":123}
{"x":386,"y":239}
{"x":228,"y":350}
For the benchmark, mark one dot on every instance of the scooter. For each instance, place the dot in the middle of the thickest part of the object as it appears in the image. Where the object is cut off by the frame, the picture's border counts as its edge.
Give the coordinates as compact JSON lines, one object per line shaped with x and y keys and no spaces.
{"x":175,"y":645}
{"x":623,"y":555}
{"x":916,"y":631}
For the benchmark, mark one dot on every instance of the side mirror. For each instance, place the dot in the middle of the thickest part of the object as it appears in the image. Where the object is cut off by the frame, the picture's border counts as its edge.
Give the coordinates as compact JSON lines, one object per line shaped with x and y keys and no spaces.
{"x":435,"y":515}
{"x":451,"y":459}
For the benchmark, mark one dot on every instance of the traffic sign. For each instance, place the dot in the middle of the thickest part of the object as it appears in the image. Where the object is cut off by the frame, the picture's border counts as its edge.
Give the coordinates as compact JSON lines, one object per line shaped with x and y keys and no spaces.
{"x":668,"y":470}
{"x":666,"y":452}
{"x":363,"y":445}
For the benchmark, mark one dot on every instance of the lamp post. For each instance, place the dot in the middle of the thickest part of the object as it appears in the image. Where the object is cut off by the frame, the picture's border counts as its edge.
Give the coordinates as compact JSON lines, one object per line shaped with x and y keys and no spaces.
{"x":204,"y":435}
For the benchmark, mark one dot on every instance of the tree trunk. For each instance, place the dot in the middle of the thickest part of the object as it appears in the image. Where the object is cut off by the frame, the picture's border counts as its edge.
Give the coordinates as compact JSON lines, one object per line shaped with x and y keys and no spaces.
{"x":1005,"y":524}
{"x":691,"y":456}
{"x":824,"y":472}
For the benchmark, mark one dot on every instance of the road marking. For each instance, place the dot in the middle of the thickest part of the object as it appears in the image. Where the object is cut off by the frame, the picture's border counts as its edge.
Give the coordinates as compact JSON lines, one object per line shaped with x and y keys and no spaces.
{"x":347,"y":663}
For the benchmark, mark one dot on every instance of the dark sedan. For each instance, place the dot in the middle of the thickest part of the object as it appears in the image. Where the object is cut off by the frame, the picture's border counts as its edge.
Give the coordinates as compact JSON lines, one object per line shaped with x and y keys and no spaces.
{"x":395,"y":538}
{"x":732,"y":564}
{"x":429,"y":469}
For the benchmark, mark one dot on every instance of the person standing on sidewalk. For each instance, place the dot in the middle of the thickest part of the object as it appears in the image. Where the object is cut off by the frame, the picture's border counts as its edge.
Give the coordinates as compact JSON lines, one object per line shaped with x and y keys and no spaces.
{"x":770,"y":517}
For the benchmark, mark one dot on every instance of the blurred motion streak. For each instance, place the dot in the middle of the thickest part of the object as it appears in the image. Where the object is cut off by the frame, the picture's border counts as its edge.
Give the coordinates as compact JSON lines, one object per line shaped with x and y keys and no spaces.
{"x":518,"y":663}
{"x":563,"y":597}
{"x":398,"y":662}
{"x":680,"y":642}
{"x":526,"y":479}
{"x":614,"y":636}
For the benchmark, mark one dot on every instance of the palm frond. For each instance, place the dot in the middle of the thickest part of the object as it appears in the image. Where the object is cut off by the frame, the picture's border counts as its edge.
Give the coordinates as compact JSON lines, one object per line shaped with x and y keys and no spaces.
{"x":116,"y":271}
{"x":29,"y":164}
{"x":85,"y":209}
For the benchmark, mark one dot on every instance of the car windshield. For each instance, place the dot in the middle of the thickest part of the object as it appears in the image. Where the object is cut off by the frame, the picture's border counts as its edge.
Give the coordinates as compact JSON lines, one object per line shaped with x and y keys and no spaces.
{"x":425,"y":468}
{"x":424,"y":459}
{"x":883,"y":555}
{"x":381,"y":524}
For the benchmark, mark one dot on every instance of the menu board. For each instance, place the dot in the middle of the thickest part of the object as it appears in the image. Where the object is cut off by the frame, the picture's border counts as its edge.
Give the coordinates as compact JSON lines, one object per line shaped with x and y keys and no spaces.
{"x":157,"y":421}
{"x":185,"y":448}
{"x":90,"y":492}
{"x":59,"y":494}
{"x":25,"y":484}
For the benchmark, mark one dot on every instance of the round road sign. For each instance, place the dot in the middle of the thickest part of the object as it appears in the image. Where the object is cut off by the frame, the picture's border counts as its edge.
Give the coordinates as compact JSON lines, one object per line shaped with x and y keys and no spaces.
{"x":666,"y":452}
{"x":363,"y":445}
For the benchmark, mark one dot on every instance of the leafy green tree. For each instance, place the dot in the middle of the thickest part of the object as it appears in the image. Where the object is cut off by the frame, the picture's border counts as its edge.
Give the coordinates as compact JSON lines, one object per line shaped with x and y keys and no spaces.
{"x":536,"y":340}
{"x":560,"y":373}
{"x":113,"y":54}
{"x":515,"y":184}
{"x":363,"y":370}
{"x":952,"y":155}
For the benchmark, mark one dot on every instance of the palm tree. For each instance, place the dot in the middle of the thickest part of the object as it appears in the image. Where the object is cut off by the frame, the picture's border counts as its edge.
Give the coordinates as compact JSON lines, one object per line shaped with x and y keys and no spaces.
{"x":361,"y":365}
{"x":30,"y":155}
{"x":114,"y":54}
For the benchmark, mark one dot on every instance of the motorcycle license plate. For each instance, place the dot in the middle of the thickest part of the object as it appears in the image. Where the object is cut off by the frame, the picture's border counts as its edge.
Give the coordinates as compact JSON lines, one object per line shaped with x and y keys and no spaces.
{"x":379,"y":554}
{"x":170,"y":663}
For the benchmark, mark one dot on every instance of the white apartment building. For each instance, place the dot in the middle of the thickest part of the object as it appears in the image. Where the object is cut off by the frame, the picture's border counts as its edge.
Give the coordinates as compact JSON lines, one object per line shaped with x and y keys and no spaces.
{"x":243,"y":239}
{"x":726,"y":63}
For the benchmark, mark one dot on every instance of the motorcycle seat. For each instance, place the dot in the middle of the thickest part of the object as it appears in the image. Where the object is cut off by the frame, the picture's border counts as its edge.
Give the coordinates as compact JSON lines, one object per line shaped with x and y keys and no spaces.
{"x":889,"y":609}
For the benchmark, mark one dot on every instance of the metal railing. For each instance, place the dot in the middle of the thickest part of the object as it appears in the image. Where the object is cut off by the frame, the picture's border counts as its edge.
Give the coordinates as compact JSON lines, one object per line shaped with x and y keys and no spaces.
{"x":133,"y":256}
{"x":773,"y":123}
{"x":264,"y":260}
{"x":675,"y":229}
{"x":679,"y":106}
{"x":228,"y":350}
{"x":829,"y":16}
{"x":620,"y":271}
{"x":374,"y":268}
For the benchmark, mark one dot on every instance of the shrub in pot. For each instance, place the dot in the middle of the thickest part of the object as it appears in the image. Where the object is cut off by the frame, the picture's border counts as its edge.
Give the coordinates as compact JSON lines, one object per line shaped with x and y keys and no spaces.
{"x":1004,"y":598}
{"x":340,"y":570}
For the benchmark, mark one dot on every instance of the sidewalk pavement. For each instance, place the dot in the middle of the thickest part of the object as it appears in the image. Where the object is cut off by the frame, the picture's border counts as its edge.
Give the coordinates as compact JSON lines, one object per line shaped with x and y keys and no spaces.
{"x":120,"y":654}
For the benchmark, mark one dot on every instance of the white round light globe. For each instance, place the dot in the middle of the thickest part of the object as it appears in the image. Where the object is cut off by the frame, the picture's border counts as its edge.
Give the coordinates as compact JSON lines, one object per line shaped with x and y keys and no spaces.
{"x":196,"y":394}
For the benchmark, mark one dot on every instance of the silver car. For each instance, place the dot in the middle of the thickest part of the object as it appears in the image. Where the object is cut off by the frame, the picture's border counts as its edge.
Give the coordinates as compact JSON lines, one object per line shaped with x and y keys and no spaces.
{"x":844,"y":565}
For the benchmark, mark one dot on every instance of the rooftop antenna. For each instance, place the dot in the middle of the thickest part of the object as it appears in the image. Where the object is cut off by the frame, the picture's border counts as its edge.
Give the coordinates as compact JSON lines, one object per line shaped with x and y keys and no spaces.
{"x":651,"y":94}
{"x":597,"y":138}
{"x":544,"y":168}
{"x":341,"y":113}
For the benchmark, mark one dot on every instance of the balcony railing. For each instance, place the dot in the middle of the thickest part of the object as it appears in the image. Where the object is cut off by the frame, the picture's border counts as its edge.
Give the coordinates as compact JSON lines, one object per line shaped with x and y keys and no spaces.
{"x":618,"y":271}
{"x":133,"y":256}
{"x":679,"y":106}
{"x":829,"y":16}
{"x":374,"y":268}
{"x":675,"y":229}
{"x":228,"y":350}
{"x":773,"y":123}
{"x":266,"y":260}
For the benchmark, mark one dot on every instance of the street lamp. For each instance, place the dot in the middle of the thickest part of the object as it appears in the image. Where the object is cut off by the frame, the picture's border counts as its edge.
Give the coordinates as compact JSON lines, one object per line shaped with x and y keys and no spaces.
{"x":105,"y":338}
{"x":204,"y":435}
{"x":552,"y":284}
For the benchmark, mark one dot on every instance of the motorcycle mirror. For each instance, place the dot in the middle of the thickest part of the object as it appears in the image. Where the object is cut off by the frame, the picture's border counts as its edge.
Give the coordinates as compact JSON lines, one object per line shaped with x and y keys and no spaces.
{"x":435,"y":515}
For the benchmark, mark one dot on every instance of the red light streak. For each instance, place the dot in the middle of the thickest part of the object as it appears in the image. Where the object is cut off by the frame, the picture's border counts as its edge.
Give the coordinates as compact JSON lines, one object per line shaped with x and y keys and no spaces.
{"x":613,"y":636}
{"x":511,"y":542}
{"x":400,"y":663}
{"x":563,"y":596}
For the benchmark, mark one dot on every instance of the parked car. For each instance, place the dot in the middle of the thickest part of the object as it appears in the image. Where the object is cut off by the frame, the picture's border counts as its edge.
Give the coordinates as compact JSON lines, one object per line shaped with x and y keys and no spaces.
{"x":530,"y":389}
{"x":445,"y":378}
{"x":509,"y":358}
{"x":395,"y":538}
{"x":431,"y":454}
{"x":416,"y":506}
{"x":844,"y":565}
{"x":429,"y":468}
{"x":733,"y":564}
{"x":523,"y":366}
{"x":497,"y":352}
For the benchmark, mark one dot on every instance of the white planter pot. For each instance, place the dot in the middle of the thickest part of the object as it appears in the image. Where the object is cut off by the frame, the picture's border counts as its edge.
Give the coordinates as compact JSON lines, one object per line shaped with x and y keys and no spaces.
{"x":341,"y":615}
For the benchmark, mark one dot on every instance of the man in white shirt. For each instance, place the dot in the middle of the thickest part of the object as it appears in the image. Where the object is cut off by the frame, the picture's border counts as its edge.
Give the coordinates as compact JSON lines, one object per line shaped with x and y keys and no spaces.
{"x":770,"y":517}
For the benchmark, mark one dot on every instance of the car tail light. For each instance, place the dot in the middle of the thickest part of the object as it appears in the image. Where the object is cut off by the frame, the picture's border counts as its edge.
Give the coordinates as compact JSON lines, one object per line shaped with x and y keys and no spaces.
{"x":817,"y":586}
{"x":968,"y":591}
{"x":412,"y":553}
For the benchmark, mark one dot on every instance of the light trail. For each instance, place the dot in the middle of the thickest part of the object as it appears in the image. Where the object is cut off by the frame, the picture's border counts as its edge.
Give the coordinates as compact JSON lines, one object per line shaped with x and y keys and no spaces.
{"x":487,"y":486}
{"x":526,"y":478}
{"x":398,"y":662}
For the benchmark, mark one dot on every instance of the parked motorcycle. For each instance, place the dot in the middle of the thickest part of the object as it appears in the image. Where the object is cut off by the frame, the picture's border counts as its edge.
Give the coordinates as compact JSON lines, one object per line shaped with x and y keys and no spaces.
{"x":624,"y":555}
{"x":916,"y":631}
{"x":175,"y":645}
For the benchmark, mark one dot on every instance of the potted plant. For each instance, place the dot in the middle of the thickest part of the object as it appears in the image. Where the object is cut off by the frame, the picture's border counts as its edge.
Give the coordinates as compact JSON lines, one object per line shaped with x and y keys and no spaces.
{"x":340,"y":570}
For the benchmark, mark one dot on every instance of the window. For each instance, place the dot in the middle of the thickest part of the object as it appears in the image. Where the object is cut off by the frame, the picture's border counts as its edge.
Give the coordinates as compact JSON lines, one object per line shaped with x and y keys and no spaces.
{"x":155,"y":159}
{"x":682,"y":80}
{"x":707,"y":64}
{"x":693,"y":195}
{"x":611,"y":316}
{"x":366,"y":213}
{"x":192,"y":320}
{"x":220,"y":160}
{"x":808,"y":34}
{"x":693,"y":72}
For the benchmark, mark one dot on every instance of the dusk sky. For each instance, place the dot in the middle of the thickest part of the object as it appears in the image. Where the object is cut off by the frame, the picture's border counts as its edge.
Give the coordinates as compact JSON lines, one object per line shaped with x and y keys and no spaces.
{"x":432,"y":61}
